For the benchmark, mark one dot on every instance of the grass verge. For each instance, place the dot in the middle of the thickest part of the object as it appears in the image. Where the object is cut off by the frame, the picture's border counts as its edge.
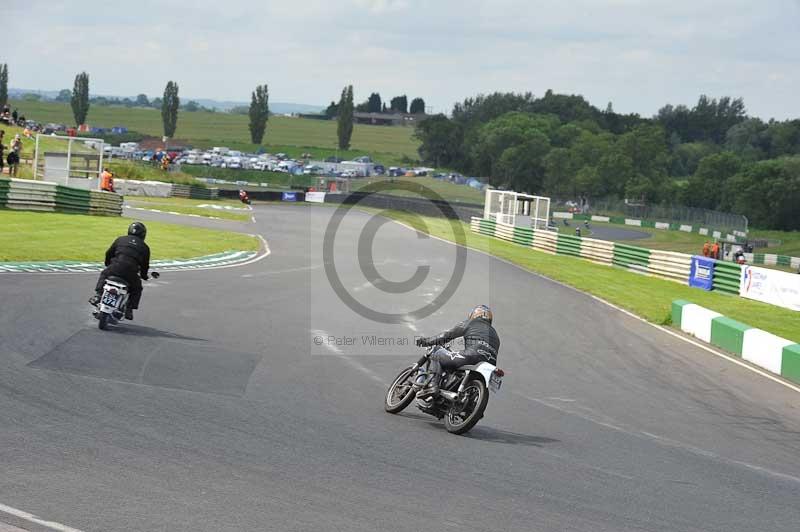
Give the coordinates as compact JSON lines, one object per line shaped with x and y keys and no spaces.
{"x":140,"y":171}
{"x":34,"y":236}
{"x":448,"y":191}
{"x":691,"y":243}
{"x":648,"y":297}
{"x":192,"y":206}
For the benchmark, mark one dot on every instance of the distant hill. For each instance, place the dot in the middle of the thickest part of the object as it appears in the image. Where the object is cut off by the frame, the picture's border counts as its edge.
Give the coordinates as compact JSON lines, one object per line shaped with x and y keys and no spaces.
{"x":222,"y":105}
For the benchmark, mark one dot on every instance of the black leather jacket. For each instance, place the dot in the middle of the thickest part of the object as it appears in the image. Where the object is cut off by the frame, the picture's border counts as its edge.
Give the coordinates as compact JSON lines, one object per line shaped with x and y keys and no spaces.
{"x":129,"y":253}
{"x":480,"y":338}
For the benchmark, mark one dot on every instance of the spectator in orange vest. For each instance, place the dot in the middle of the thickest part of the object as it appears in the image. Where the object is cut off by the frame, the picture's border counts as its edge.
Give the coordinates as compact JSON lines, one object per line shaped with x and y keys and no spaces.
{"x":715,"y":251}
{"x":706,"y":249}
{"x":107,"y":181}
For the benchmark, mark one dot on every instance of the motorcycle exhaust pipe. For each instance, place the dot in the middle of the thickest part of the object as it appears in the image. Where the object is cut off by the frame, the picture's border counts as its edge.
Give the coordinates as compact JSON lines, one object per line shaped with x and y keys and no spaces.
{"x":449,"y":396}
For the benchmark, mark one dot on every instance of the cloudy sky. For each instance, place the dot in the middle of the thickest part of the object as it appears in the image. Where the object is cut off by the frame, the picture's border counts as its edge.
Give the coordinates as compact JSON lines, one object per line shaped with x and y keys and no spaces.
{"x":638,"y":54}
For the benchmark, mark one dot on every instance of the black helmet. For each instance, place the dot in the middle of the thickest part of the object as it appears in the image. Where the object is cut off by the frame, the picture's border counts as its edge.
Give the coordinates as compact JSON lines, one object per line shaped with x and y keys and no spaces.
{"x":137,"y":229}
{"x":481,"y":311}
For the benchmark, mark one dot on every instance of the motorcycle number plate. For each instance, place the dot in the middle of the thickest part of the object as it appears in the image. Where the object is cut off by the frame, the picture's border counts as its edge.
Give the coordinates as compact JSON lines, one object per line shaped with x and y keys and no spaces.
{"x":494,"y":382}
{"x":110,"y":300}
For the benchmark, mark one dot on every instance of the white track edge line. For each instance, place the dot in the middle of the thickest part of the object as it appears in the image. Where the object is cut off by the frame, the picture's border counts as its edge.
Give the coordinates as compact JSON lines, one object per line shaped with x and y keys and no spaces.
{"x":37,"y":520}
{"x":620,"y":309}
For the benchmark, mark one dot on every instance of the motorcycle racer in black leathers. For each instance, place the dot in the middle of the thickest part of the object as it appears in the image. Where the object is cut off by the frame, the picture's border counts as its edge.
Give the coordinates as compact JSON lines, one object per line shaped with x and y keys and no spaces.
{"x":481,"y":344}
{"x":128,"y":258}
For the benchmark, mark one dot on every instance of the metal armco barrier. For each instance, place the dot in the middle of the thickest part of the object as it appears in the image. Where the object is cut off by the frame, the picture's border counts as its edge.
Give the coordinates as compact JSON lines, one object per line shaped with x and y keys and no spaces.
{"x":264,"y":195}
{"x":23,"y":194}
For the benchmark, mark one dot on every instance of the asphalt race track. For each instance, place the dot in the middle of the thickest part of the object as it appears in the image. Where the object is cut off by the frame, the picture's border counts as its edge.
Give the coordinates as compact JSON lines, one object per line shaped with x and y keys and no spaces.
{"x":220,"y":409}
{"x":614,"y":233}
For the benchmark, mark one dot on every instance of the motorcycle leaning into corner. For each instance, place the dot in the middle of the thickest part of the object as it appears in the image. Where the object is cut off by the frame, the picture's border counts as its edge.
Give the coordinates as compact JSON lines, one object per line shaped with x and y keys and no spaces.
{"x":113,"y":301}
{"x":463,"y":394}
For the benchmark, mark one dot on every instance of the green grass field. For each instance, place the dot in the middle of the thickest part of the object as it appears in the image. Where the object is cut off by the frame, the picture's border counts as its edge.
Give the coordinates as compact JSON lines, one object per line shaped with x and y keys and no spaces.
{"x":648,"y":297}
{"x":193,"y":206}
{"x":204,"y":129}
{"x":448,"y":191}
{"x":691,"y":243}
{"x":34,"y":236}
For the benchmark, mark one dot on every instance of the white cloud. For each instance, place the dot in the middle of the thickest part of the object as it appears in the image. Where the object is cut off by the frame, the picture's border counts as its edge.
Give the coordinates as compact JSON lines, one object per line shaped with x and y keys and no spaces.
{"x":639,"y":54}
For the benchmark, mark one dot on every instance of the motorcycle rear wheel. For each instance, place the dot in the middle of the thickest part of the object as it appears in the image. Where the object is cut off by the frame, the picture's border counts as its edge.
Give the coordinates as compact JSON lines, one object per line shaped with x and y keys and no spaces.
{"x":102,"y":321}
{"x":394,"y":403}
{"x":461,"y":417}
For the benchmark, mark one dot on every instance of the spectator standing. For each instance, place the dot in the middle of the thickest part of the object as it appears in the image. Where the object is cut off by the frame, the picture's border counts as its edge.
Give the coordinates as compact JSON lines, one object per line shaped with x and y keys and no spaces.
{"x":2,"y":149}
{"x":15,"y":115}
{"x":107,"y":181}
{"x":13,"y":156}
{"x":715,"y":251}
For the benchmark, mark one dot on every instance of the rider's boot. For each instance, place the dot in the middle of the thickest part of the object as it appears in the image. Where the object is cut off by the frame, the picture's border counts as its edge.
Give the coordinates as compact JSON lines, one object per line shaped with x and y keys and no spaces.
{"x":128,"y":313}
{"x":431,"y":389}
{"x":94,"y":300}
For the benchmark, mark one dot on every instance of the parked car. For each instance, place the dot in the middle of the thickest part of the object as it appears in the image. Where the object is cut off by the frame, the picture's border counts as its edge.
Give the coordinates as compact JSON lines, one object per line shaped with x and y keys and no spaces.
{"x":378,"y":169}
{"x":333,"y":159}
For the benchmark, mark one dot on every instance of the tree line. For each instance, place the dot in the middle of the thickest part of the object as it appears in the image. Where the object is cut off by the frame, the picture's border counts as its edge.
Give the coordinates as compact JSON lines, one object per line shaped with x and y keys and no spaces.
{"x":712,"y":155}
{"x":374,"y":104}
{"x":80,"y":101}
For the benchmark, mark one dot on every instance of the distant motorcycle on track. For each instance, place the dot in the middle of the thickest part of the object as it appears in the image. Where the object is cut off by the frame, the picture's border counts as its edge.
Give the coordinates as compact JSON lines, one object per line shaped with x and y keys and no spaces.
{"x":462,"y":398}
{"x":113,"y":302}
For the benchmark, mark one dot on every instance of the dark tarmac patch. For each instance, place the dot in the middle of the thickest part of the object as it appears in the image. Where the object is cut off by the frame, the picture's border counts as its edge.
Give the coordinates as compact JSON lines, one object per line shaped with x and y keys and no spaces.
{"x":615,"y":233}
{"x":154,"y":358}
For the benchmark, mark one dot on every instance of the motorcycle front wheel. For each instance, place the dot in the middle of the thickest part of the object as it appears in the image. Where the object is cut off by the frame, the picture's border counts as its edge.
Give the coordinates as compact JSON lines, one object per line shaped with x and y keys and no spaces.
{"x":102,"y":321}
{"x":401,"y":392}
{"x":468,"y":410}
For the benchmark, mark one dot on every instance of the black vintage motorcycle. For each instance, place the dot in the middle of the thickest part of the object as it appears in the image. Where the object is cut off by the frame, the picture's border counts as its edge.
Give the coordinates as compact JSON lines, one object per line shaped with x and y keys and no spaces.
{"x":462,"y":398}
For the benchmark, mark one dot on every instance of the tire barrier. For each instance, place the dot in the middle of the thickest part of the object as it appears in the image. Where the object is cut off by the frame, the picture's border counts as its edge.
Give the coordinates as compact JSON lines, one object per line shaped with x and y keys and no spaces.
{"x":44,"y":196}
{"x":193,"y":192}
{"x":735,"y":236}
{"x":664,"y":264}
{"x":773,"y":353}
{"x":727,"y":277}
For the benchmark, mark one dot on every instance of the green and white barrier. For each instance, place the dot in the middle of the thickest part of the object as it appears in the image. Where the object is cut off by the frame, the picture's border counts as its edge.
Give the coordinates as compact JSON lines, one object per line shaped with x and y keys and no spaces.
{"x":773,"y":353}
{"x":194,"y":192}
{"x":735,"y":236}
{"x":768,"y":259}
{"x":727,"y":277}
{"x":665,"y":264}
{"x":24,"y":194}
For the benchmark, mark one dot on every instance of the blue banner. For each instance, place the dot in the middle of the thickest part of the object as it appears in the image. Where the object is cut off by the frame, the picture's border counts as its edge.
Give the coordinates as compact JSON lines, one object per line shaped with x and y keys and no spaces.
{"x":701,"y":274}
{"x":289,"y":196}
